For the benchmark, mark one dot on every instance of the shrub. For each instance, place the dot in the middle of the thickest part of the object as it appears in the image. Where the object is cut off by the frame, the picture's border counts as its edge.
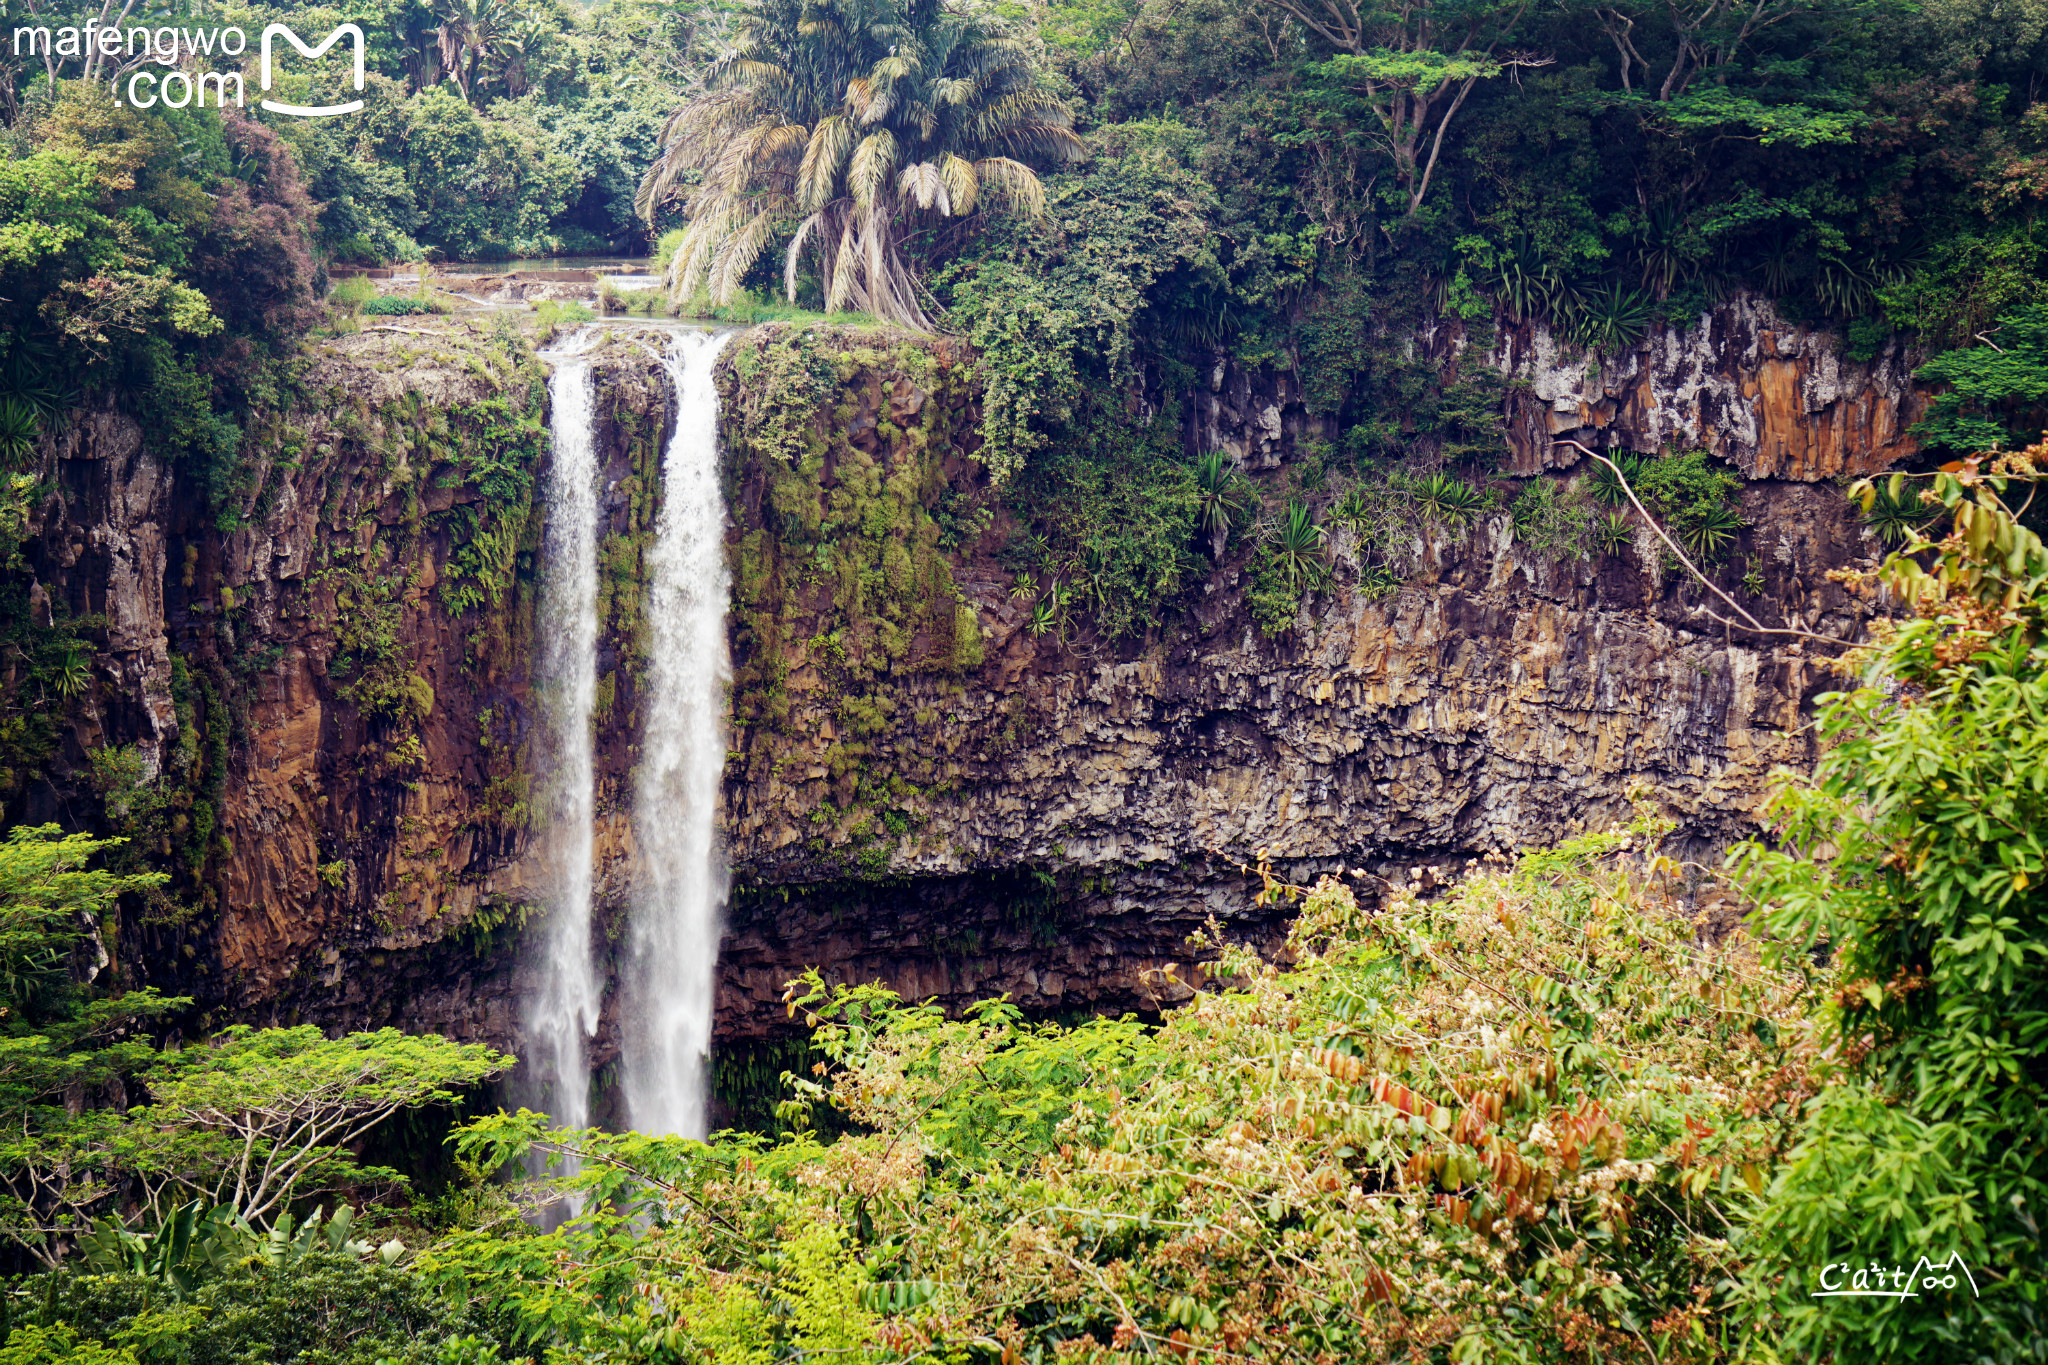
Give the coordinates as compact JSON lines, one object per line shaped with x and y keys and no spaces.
{"x":1297,"y":1168}
{"x":1913,"y":858}
{"x":1552,"y":521}
{"x":325,"y":1306}
{"x":1691,"y":496}
{"x":396,"y":306}
{"x":353,"y":293}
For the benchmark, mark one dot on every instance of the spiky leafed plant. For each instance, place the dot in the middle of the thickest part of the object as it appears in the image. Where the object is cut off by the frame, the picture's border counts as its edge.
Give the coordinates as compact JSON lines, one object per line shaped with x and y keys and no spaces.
{"x":19,"y":427}
{"x":1611,"y":319}
{"x":1895,"y":511}
{"x":1448,"y":499}
{"x":1614,"y":533}
{"x":1220,"y":498}
{"x":1709,"y":530}
{"x":1606,"y":486}
{"x":843,"y":126}
{"x":1297,"y":549}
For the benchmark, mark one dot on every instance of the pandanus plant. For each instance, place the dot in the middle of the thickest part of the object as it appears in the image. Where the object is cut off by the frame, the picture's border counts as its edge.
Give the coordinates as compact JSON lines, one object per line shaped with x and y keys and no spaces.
{"x":1220,"y":498}
{"x":1298,"y":549}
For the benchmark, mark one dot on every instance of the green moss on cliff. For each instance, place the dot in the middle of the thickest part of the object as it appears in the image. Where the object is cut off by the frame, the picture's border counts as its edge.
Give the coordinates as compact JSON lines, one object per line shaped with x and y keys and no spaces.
{"x":844,"y":596}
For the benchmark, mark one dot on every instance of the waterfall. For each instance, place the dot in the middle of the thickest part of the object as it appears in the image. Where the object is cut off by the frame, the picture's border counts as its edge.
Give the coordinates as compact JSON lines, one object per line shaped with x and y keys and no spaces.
{"x":561,"y":1016}
{"x":667,"y":1018}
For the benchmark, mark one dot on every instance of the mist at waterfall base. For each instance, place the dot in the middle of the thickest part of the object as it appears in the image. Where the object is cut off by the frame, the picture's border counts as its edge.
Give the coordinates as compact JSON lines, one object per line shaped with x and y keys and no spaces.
{"x":562,"y":1011}
{"x":669,"y":972}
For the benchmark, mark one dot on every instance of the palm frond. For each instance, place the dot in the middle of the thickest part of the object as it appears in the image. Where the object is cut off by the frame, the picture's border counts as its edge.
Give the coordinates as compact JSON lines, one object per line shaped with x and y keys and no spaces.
{"x":1015,"y":183}
{"x":925,"y":187}
{"x":824,"y":158}
{"x":737,"y":256}
{"x":795,"y":252}
{"x":709,"y":226}
{"x":873,"y":160}
{"x":845,"y":276}
{"x":963,"y":186}
{"x":859,"y":96}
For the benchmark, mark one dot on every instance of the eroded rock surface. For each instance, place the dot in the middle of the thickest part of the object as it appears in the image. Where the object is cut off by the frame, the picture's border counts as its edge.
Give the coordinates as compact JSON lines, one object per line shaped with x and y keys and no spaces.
{"x":1059,"y":816}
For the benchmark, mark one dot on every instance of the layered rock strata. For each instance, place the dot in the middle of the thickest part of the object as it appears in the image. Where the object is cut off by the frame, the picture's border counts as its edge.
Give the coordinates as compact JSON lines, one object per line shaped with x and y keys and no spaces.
{"x":936,"y":798}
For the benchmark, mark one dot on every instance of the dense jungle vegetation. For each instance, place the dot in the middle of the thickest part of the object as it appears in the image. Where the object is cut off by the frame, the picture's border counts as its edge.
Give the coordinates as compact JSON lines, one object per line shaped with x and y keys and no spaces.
{"x":1535,"y":1118}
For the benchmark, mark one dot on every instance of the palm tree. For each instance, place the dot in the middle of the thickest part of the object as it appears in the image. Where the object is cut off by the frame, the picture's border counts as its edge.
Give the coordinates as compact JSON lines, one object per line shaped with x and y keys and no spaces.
{"x":845,"y":126}
{"x":470,"y":31}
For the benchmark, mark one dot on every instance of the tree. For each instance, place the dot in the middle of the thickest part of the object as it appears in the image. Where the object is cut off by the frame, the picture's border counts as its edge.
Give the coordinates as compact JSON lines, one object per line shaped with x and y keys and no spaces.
{"x":59,"y":1044}
{"x":471,"y":31}
{"x":248,"y":1120}
{"x":1415,"y":65}
{"x":846,"y":126}
{"x":256,"y":1114}
{"x":1996,"y":392}
{"x":1914,"y":857}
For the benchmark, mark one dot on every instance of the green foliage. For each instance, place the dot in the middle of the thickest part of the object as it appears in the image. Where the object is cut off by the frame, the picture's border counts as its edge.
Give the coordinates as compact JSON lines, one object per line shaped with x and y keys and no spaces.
{"x":48,"y":895}
{"x":1611,"y":319}
{"x":245,"y":1120}
{"x":1997,"y":395}
{"x":1295,"y":1165}
{"x":30,"y":1344}
{"x":1913,"y":858}
{"x":1291,"y":563}
{"x":395,"y":306}
{"x":1223,"y":498}
{"x":1692,"y":498}
{"x":1446,"y":499}
{"x":1895,"y":511}
{"x":1054,"y":305}
{"x":1552,"y":520}
{"x":1114,"y":513}
{"x":353,"y":294}
{"x":322,"y":1308}
{"x":1614,"y":533}
{"x":485,"y":185}
{"x":194,"y":1243}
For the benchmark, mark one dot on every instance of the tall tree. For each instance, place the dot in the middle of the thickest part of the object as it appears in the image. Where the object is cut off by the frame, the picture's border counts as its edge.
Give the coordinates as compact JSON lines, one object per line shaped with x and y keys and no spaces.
{"x":1415,"y":63}
{"x":470,"y":32}
{"x":845,"y":126}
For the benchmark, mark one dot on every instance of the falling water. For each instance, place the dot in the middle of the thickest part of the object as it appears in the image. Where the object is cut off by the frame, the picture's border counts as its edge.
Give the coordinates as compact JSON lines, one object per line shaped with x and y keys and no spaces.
{"x":667,"y":1023}
{"x":562,"y":1014}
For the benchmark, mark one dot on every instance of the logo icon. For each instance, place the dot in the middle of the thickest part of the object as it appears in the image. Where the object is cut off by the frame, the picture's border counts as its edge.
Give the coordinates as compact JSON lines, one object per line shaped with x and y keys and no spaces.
{"x":312,"y":53}
{"x":1842,"y":1280}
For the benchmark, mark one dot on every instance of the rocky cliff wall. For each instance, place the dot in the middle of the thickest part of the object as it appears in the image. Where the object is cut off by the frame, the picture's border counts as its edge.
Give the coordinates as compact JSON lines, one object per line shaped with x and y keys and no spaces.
{"x":1777,"y":399}
{"x":334,"y":697}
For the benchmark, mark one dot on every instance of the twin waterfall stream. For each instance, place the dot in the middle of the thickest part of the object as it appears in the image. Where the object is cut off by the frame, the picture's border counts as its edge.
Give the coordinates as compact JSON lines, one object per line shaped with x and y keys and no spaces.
{"x":668,"y":976}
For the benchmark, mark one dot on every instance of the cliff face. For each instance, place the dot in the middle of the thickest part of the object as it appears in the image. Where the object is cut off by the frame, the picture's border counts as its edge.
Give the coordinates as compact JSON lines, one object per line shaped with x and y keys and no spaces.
{"x":1778,"y":400}
{"x":1775,"y":399}
{"x":329,"y":700}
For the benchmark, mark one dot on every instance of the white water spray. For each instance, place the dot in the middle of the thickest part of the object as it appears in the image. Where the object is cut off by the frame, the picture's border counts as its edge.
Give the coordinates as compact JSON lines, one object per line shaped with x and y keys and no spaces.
{"x":561,"y":1017}
{"x":667,"y":1020}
